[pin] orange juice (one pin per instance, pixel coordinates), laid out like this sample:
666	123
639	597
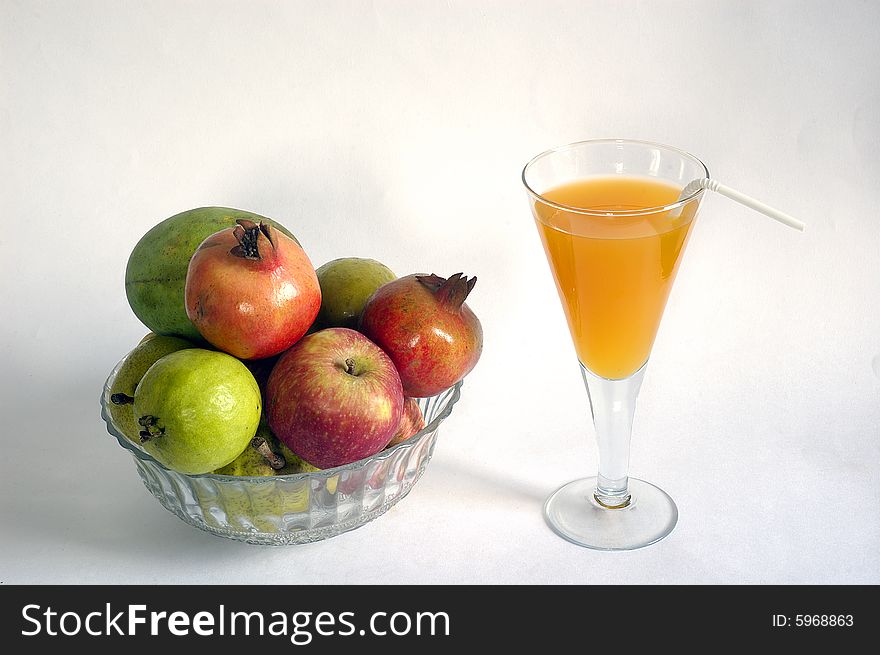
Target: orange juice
614	272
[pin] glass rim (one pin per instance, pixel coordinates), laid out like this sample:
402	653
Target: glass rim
621	212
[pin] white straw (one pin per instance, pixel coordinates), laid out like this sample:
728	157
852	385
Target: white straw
743	199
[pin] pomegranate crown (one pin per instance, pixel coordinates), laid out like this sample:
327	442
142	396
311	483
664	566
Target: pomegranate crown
451	291
249	236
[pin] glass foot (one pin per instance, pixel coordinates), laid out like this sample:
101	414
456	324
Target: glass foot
574	513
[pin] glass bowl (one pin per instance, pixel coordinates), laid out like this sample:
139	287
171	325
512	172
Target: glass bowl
291	509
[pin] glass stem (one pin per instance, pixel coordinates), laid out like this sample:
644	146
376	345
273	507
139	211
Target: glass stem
613	403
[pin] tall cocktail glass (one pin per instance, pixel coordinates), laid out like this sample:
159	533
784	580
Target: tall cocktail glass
614	230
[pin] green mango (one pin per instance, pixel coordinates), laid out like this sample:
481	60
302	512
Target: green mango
156	272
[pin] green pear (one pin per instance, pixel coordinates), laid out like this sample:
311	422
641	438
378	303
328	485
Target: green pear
346	285
151	348
197	409
292	496
295	463
251	462
263	504
259	459
247	505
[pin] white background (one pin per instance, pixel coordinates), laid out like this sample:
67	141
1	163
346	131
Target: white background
397	130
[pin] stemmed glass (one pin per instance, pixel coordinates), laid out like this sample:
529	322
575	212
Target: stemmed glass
614	228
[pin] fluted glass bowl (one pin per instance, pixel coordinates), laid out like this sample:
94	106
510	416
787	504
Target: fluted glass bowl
291	509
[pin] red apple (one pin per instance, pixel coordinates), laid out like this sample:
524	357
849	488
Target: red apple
251	290
424	325
411	422
334	398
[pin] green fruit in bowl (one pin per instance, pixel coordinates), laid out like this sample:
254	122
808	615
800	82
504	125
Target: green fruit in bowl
263	504
197	409
151	349
156	272
251	503
346	285
294	463
259	459
251	462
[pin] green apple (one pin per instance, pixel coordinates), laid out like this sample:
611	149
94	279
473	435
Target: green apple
346	285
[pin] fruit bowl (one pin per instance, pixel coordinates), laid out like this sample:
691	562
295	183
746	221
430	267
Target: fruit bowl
291	509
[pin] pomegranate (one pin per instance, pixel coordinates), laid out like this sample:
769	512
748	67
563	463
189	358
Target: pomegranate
424	325
251	290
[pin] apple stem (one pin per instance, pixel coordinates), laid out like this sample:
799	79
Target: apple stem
349	366
121	399
150	428
275	460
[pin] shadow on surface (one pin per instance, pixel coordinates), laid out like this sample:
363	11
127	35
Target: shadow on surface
492	483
